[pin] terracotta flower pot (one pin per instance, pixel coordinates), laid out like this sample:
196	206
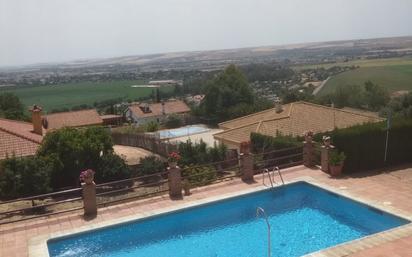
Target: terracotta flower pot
336	170
89	180
172	165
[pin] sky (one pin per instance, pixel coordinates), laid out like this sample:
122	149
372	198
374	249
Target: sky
43	31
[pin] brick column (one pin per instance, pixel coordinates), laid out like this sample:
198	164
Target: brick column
246	162
89	199
175	182
308	154
324	157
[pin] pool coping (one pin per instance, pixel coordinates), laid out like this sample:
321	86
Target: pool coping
196	133
38	244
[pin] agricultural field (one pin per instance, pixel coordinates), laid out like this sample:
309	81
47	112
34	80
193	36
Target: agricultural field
73	94
392	77
361	63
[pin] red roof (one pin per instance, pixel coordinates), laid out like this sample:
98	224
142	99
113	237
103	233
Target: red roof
73	119
170	107
17	138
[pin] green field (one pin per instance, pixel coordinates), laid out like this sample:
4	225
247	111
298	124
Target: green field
361	63
74	94
392	77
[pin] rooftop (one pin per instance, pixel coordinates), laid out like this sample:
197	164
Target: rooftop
16	137
294	119
73	119
155	109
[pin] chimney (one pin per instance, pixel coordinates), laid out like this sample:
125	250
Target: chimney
163	108
278	105
36	119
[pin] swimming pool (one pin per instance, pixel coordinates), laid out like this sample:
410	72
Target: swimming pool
183	131
303	219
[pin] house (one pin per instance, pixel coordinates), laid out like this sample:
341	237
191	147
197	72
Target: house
18	139
196	100
112	119
143	113
291	119
54	121
23	138
169	82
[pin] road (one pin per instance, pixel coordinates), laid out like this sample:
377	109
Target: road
319	88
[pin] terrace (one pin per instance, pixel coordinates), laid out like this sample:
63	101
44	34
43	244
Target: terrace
389	190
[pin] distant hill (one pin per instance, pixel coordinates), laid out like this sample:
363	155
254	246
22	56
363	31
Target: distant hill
216	59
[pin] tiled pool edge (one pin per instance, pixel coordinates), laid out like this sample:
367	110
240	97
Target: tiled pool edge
38	245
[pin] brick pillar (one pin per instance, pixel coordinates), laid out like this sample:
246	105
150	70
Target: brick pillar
89	199
175	182
246	162
246	166
324	157
308	153
36	119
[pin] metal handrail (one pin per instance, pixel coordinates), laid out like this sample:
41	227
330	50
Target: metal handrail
260	210
280	174
266	171
280	150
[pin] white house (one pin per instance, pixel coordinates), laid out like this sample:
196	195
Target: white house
143	113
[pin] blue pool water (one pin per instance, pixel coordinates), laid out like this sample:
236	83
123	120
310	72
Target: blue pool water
303	219
180	132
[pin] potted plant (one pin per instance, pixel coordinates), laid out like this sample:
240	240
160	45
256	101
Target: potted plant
173	158
87	176
336	161
186	186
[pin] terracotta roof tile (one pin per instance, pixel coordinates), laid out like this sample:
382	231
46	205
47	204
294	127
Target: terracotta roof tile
21	129
296	119
73	119
17	138
14	145
156	109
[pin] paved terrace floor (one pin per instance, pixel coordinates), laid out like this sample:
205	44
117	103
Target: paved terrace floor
385	188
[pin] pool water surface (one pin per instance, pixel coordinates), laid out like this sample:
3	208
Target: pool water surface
303	219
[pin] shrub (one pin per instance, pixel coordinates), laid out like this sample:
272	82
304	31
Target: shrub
25	176
151	126
263	143
199	175
111	167
173	121
150	165
200	153
336	158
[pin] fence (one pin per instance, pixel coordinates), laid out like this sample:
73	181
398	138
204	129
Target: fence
282	158
190	177
145	141
71	200
200	175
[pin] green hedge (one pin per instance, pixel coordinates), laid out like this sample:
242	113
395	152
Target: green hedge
262	143
364	145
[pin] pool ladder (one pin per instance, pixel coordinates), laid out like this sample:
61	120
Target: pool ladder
261	212
271	175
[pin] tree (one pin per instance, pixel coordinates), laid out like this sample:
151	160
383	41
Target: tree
74	150
11	107
227	90
158	98
376	96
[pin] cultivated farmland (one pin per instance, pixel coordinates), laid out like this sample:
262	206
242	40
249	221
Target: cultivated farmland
392	77
74	94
